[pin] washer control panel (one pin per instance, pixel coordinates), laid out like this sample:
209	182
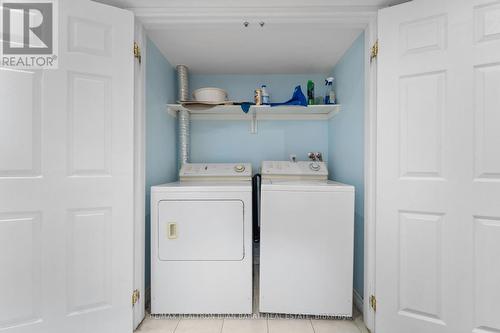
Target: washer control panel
294	170
216	171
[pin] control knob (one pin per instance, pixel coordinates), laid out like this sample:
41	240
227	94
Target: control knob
239	168
314	166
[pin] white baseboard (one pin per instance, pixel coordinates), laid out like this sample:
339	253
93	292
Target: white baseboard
358	300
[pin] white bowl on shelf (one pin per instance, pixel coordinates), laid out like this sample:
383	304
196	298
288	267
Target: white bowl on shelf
210	94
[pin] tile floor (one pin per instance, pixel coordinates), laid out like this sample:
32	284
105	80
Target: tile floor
251	324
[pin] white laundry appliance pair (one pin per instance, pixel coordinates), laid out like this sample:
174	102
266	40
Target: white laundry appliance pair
202	241
306	240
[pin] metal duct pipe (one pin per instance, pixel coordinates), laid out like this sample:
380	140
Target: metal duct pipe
182	83
183	116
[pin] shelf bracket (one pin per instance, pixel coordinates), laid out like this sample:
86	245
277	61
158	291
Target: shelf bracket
253	124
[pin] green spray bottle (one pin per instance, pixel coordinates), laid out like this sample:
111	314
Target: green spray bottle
310	92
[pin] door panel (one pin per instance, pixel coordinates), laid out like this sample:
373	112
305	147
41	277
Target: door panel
487	118
438	166
487	274
420	280
422	99
423	35
20	246
486	17
21	114
89	124
89	36
66	180
89	275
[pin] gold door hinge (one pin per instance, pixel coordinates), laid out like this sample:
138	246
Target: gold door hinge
373	302
374	52
137	52
136	295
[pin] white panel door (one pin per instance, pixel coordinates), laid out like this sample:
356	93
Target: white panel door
66	180
139	174
438	169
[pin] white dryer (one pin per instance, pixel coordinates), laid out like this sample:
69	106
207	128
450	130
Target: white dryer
306	241
201	241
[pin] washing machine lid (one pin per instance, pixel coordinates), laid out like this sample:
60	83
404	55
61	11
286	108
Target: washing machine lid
216	172
301	170
305	185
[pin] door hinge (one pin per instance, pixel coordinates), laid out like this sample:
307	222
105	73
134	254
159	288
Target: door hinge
373	302
374	52
137	52
136	295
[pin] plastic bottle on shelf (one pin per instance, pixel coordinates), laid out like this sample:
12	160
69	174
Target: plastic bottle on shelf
329	92
258	97
265	95
310	92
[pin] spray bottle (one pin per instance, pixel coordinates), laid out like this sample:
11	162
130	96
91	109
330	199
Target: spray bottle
329	92
310	92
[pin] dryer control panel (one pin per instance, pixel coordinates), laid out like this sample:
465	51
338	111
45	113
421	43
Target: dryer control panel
314	170
216	171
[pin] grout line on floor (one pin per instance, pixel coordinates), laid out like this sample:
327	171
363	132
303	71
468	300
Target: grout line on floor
311	322
222	326
178	322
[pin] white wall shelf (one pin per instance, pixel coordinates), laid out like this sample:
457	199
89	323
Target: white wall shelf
234	112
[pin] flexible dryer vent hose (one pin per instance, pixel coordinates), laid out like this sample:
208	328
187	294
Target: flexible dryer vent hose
183	116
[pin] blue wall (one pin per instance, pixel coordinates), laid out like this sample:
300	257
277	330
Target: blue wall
346	141
231	141
161	148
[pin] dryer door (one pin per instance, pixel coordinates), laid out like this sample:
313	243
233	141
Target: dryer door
200	230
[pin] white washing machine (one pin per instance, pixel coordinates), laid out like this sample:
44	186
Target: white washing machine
306	240
201	241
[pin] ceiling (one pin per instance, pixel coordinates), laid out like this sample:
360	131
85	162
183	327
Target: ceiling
297	36
246	3
273	49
